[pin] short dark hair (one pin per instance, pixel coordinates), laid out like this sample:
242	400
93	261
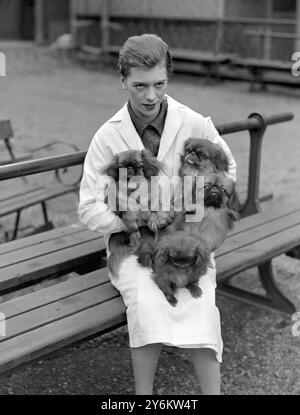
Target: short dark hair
146	50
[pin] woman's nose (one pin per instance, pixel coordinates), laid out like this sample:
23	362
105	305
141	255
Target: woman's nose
150	94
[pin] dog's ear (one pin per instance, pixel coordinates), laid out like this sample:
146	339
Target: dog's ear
112	169
151	165
203	255
219	159
160	256
187	145
234	203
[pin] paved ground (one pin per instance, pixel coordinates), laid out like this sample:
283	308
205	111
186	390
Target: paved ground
46	98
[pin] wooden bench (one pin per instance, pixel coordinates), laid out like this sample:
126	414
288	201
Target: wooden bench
30	195
86	305
258	68
189	60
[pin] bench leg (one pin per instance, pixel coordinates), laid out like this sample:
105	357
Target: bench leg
257	79
294	253
274	299
16	228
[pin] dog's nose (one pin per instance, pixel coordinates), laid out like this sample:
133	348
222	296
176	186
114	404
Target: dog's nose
214	195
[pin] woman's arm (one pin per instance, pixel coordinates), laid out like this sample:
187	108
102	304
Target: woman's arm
92	210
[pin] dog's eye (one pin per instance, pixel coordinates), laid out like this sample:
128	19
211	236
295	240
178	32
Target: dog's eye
202	155
224	191
206	186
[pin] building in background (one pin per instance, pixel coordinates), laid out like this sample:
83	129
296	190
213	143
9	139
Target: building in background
41	20
267	29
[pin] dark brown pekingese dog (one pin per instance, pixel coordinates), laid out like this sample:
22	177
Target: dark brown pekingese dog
179	260
138	164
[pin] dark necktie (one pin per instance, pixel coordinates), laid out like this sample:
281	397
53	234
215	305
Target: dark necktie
151	139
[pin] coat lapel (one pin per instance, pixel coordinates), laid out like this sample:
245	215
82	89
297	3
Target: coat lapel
172	124
127	129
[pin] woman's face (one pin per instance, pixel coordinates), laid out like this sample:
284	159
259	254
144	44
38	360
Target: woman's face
146	89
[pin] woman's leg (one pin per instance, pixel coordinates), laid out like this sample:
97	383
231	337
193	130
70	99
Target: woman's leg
144	361
207	369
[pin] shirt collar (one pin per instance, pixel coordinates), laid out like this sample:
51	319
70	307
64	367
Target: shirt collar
158	123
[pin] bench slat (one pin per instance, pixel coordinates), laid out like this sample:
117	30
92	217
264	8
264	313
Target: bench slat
54	293
39	251
25	192
34	197
257	220
57	310
61	333
257	233
19	244
263	64
257	253
50	264
198	56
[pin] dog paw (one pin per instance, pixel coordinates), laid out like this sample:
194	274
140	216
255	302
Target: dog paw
195	290
153	222
172	300
136	239
145	260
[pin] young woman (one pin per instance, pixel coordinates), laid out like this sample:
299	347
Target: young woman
151	119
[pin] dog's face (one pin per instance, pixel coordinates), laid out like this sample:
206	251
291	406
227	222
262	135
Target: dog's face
219	192
181	252
203	155
136	163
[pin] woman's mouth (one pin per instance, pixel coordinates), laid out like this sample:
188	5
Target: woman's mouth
149	107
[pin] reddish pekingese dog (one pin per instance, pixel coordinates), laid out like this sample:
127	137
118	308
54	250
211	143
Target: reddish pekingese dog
137	164
179	260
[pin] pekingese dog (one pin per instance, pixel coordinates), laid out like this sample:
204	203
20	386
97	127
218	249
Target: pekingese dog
182	254
221	207
179	260
201	156
138	164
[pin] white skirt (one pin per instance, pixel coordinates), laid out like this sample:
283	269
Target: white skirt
192	323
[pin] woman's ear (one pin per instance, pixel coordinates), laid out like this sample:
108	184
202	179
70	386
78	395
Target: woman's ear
124	83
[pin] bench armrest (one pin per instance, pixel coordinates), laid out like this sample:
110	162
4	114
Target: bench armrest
61	175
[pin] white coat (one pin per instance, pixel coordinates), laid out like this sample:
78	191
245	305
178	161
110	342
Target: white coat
151	319
119	134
